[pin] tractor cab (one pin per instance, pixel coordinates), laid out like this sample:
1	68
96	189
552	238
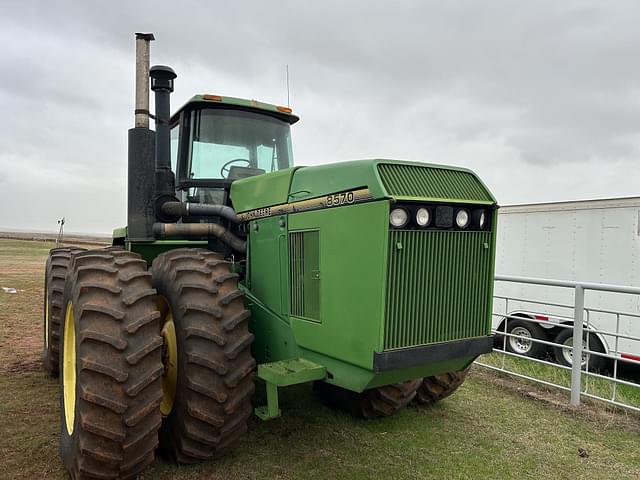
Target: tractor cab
216	140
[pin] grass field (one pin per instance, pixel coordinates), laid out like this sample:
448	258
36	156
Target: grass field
494	427
627	394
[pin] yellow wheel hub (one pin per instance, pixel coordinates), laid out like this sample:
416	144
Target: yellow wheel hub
69	368
170	361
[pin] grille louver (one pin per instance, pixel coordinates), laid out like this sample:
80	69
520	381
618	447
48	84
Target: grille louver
430	182
438	287
305	274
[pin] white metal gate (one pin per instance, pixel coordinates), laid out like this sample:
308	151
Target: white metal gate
581	327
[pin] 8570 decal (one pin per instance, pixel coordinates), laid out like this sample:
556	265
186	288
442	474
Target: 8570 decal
337	199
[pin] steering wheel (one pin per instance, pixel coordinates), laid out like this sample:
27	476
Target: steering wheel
226	168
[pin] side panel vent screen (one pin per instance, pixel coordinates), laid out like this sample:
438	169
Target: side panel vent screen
304	261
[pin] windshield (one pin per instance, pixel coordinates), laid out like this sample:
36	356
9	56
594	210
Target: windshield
234	143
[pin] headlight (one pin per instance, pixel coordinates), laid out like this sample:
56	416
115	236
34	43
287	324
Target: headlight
423	217
398	217
462	218
482	220
479	218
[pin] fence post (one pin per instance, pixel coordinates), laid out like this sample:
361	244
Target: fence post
576	363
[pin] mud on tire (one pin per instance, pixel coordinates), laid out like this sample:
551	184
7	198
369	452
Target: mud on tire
373	403
109	298
54	278
212	400
437	387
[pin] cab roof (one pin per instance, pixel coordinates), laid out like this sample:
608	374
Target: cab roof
219	101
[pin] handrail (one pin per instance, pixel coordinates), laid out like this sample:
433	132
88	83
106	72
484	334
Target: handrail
570	284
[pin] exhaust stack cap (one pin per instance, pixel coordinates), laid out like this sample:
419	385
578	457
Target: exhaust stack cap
162	78
145	36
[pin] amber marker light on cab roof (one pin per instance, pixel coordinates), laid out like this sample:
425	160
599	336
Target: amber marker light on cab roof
284	109
215	98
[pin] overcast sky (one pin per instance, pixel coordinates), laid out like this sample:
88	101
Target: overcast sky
541	99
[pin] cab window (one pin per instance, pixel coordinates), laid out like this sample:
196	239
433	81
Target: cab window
225	143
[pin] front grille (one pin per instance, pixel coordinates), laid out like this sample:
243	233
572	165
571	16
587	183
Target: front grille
438	287
432	182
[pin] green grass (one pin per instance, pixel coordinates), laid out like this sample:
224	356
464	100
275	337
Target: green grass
24	249
488	429
483	431
601	387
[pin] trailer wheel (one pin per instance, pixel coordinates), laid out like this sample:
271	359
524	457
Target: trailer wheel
522	344
564	355
208	380
437	387
54	277
110	366
373	403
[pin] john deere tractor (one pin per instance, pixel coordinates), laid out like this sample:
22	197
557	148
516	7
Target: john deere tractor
372	279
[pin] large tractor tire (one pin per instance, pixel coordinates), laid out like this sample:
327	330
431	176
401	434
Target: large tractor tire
373	403
110	366
208	381
54	277
437	387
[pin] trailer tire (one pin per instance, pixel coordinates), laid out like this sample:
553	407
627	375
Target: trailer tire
208	381
563	356
54	278
372	403
110	367
435	388
523	347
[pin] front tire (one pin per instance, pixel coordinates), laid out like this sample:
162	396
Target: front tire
209	377
435	388
110	367
372	403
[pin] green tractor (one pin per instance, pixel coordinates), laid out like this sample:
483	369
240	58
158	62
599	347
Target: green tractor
373	279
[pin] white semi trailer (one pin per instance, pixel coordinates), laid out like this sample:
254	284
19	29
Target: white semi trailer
587	241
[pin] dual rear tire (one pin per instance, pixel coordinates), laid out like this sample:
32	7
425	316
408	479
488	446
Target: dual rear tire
114	361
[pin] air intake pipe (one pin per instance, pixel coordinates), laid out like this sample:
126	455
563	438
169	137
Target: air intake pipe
178	209
162	85
199	230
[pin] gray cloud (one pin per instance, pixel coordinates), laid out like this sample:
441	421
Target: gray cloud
540	98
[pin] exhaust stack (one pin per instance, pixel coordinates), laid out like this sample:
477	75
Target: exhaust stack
141	153
143	55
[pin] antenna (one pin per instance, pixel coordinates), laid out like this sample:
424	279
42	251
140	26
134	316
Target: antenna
287	70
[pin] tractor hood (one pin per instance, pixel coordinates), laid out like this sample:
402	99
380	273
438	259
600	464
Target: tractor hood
304	188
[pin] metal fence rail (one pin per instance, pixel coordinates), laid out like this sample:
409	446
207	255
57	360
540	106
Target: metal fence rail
580	320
